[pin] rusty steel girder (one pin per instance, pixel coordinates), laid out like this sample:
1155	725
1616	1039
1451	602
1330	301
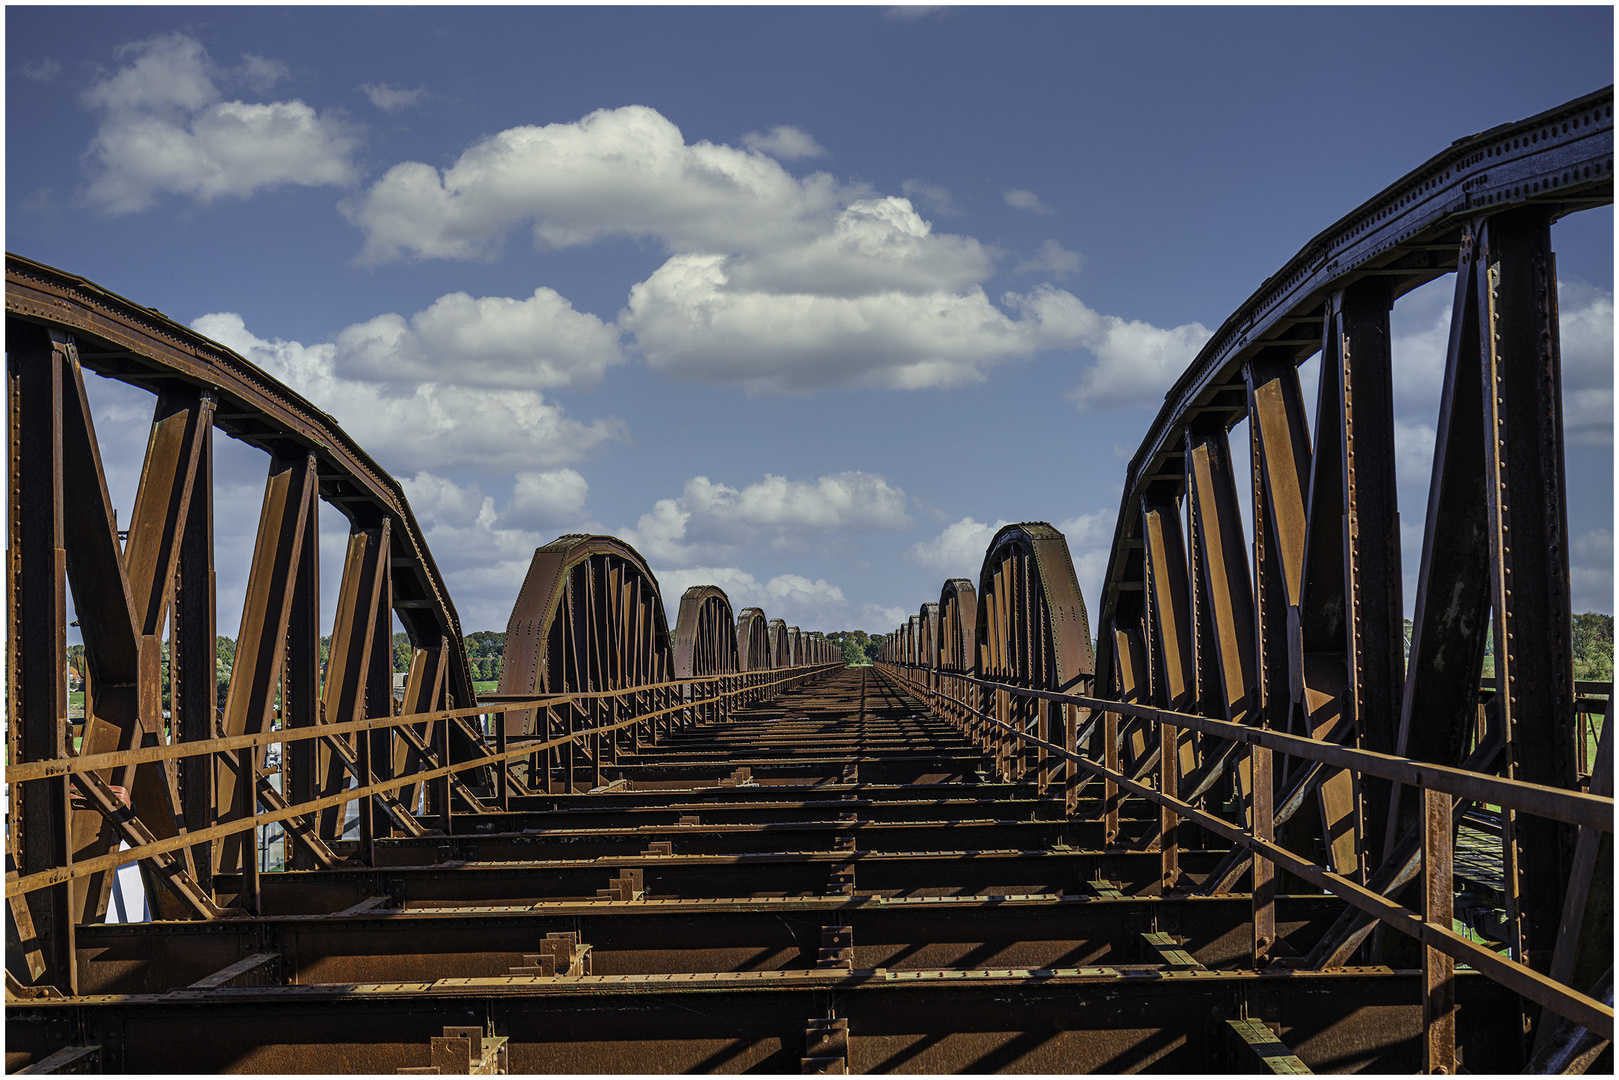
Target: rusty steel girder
753	640
778	647
705	633
588	617
1256	687
135	595
190	787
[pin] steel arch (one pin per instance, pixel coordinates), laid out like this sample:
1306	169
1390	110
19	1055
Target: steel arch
753	640
1209	663
59	326
958	616
588	617
705	633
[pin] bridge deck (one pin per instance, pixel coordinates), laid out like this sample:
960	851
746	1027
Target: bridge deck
720	920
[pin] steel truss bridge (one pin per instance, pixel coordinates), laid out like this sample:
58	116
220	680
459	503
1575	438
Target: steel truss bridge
1237	830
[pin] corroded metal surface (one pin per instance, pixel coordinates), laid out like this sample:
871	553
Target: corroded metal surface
1253	682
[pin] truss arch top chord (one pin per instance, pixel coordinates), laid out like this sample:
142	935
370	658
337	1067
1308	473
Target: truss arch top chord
119	339
589	617
1031	624
752	640
958	616
705	634
1559	161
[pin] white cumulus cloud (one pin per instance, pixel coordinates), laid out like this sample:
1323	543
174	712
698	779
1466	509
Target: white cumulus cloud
847	500
548	499
872	247
537	343
1586	339
624	171
777	283
1136	363
958	551
432	424
690	324
785	143
437	500
711	521
165	130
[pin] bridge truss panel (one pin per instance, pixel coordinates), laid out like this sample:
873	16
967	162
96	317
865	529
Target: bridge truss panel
145	602
753	640
705	633
1257	684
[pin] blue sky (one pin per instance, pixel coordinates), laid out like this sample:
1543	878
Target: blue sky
799	301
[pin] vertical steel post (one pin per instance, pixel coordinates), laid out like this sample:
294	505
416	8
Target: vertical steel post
379	698
247	806
194	653
1168	822
261	643
1110	748
503	793
441	786
301	707
36	640
1440	719
1438	908
1358	343
1529	548
1264	871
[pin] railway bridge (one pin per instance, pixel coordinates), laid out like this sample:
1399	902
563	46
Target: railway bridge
1214	819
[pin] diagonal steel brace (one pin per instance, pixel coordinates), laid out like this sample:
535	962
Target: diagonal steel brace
457	785
301	829
1352	927
169	869
389	801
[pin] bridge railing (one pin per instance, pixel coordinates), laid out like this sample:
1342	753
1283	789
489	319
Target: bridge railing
1250	610
1445	794
642	713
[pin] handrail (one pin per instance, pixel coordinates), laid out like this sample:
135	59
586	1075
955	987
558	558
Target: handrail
112	759
1572	807
1594	1015
17	886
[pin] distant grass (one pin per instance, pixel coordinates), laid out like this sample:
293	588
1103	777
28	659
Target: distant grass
487	686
